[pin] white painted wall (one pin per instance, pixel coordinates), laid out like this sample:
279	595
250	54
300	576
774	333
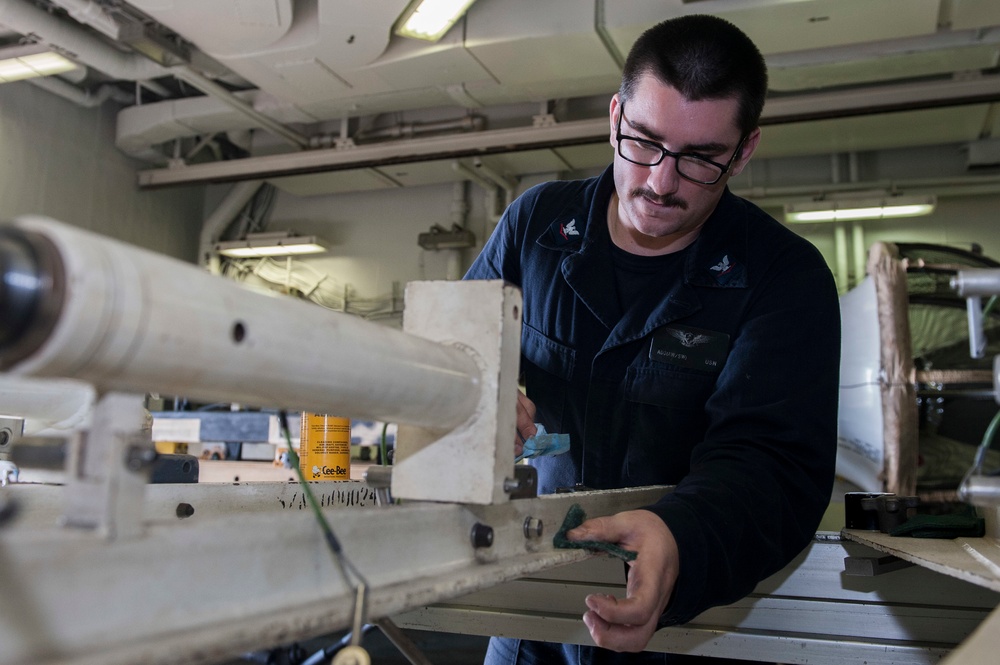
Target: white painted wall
58	159
375	233
959	222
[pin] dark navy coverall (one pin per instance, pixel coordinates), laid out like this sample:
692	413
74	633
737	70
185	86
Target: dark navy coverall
723	383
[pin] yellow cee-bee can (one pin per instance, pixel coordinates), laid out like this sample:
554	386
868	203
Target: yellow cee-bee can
325	447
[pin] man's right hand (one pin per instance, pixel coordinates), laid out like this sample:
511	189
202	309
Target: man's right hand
525	422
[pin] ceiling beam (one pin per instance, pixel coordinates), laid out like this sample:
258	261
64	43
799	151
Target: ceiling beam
779	110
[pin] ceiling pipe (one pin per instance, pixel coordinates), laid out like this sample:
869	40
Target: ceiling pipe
84	98
497	178
903	46
495	206
971	185
223	215
23	17
601	27
90	13
410	129
459	218
470	174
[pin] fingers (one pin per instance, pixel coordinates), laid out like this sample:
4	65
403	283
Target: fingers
618	637
627	624
525	422
627	529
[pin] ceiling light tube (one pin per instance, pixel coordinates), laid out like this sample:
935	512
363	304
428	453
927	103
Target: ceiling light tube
271	244
841	210
34	65
430	19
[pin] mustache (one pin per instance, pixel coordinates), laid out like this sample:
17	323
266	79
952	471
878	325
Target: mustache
660	199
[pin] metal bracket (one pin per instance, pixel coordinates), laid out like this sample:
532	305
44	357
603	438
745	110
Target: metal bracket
107	468
471	463
870	566
524	484
11	430
544	120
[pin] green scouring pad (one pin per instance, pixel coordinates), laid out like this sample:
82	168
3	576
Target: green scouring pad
574	518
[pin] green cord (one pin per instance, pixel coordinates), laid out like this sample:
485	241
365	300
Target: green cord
990	304
343	563
383	447
991	431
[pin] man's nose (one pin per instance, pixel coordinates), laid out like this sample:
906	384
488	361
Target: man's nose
664	178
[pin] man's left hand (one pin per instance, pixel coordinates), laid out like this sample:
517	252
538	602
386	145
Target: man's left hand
628	624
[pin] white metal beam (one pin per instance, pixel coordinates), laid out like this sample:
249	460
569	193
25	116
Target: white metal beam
778	110
203	591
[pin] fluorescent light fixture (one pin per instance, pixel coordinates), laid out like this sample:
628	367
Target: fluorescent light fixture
33	65
430	19
845	210
257	245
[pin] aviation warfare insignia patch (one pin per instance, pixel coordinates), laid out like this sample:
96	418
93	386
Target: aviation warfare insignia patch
695	348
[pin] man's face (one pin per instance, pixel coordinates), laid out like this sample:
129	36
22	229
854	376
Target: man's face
659	210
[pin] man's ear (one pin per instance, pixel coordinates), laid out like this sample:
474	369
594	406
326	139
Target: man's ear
749	146
613	117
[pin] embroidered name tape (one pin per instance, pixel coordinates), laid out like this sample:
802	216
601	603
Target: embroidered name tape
695	348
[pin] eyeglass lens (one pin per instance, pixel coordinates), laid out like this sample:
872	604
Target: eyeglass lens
648	154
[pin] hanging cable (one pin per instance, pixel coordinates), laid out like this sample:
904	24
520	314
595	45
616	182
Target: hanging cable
344	565
312	285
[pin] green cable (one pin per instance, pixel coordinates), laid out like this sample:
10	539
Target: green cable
990	304
988	436
343	563
383	447
991	429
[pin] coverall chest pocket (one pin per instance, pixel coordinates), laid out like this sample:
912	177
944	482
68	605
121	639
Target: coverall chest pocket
548	371
666	419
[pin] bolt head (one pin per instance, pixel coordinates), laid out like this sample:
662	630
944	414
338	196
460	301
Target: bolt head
482	535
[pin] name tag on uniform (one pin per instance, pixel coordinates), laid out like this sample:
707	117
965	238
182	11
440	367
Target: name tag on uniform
705	350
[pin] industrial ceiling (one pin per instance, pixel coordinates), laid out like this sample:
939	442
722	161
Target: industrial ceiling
320	96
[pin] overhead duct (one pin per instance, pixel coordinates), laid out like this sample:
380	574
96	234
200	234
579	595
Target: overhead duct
141	127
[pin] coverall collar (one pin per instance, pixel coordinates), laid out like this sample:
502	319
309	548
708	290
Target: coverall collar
716	259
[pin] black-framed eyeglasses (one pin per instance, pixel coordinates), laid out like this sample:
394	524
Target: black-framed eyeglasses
689	166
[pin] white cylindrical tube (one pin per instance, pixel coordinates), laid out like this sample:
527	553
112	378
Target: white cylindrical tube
128	319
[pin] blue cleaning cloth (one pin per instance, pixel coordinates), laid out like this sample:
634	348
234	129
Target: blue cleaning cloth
544	443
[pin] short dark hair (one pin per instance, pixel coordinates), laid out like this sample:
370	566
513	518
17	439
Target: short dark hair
702	57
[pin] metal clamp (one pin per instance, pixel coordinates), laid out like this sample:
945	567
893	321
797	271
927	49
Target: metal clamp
892	510
524	484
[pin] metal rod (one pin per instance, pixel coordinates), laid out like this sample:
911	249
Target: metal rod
977	282
977	336
980	490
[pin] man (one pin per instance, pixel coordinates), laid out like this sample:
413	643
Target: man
679	335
